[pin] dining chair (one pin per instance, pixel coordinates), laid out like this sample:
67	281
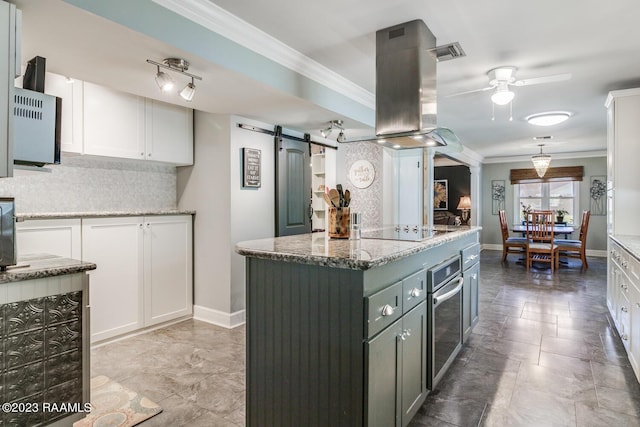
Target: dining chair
576	248
510	245
541	246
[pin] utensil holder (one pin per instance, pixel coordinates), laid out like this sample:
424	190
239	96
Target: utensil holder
339	223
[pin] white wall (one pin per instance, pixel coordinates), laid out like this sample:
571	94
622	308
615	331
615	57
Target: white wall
93	184
226	213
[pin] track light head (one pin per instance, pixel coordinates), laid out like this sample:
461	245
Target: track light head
188	92
341	137
326	132
164	81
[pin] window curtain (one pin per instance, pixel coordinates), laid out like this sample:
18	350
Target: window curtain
565	173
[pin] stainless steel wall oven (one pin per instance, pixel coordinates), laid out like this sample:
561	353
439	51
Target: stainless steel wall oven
444	318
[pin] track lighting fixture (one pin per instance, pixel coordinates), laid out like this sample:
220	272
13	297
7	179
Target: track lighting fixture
334	124
165	81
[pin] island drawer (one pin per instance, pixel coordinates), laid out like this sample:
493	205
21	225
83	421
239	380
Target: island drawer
414	290
383	308
470	256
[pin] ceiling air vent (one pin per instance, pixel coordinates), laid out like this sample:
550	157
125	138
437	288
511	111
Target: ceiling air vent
449	51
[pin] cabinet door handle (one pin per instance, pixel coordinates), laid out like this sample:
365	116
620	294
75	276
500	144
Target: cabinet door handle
387	310
415	292
624	309
475	276
625	337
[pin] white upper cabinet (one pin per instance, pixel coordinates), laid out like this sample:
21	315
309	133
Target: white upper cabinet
70	91
114	123
623	152
169	133
118	124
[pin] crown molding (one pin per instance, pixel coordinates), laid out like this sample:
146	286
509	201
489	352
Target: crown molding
558	156
220	21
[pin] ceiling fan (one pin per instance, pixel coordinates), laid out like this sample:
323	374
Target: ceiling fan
501	78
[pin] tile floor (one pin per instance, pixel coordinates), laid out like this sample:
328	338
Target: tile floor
543	354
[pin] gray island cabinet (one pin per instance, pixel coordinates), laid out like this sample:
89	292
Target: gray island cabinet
338	330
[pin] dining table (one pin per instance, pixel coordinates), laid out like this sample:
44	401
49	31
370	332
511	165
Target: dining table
558	229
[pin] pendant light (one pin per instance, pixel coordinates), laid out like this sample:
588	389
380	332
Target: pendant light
541	162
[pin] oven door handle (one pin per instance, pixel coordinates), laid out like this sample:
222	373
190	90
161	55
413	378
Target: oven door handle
442	298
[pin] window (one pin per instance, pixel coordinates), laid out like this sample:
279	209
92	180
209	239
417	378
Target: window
548	196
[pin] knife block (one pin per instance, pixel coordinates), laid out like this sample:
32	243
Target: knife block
339	223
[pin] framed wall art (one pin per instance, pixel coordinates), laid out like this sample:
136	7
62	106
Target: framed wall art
251	167
598	195
497	196
440	194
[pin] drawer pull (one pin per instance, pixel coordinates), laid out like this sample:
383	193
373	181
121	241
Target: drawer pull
624	309
472	257
415	292
387	310
625	337
475	276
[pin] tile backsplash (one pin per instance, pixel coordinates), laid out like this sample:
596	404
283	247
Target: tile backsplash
93	184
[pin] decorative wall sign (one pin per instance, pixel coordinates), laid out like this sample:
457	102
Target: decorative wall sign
497	196
598	195
440	194
362	173
251	167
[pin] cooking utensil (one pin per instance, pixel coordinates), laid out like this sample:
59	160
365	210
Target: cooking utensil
326	198
335	197
341	194
347	198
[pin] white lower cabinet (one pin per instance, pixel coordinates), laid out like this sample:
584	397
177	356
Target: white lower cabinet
50	236
167	268
144	273
115	245
623	300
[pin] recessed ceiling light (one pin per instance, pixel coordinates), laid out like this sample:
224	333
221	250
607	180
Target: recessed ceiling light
549	118
396	146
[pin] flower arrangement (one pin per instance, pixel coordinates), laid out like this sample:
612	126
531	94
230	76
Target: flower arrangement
525	210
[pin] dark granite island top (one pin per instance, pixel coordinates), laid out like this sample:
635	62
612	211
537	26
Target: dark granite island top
38	266
363	254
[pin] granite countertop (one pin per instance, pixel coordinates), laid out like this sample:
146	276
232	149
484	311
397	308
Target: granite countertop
363	254
38	266
630	243
98	214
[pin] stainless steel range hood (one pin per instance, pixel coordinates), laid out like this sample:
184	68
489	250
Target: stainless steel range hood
406	97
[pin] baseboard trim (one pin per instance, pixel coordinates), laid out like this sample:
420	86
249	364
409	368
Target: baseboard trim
219	318
590	252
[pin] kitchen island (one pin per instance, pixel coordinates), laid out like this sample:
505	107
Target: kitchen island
340	332
44	329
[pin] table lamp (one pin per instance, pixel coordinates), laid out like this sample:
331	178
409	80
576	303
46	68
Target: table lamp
465	206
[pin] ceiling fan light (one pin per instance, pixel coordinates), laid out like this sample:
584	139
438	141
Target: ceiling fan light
502	97
548	119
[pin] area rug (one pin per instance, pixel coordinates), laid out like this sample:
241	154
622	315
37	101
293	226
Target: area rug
113	405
